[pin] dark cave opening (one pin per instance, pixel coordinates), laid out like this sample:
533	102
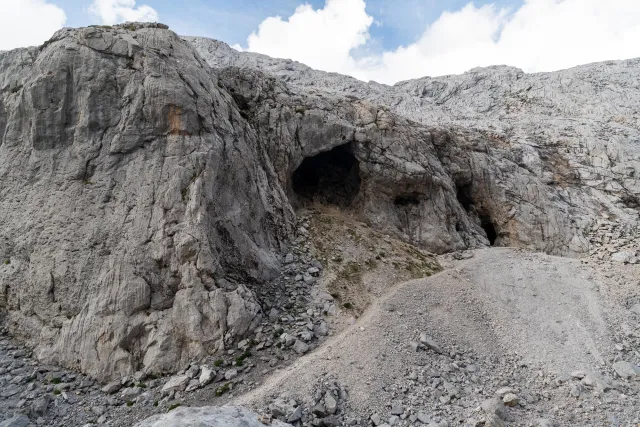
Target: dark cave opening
407	199
489	228
331	177
464	195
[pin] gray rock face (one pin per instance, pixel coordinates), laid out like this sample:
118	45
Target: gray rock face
208	416
147	182
130	183
539	156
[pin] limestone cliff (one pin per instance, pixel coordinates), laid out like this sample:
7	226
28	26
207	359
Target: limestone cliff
148	182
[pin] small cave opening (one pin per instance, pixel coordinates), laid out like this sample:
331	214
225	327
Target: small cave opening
407	199
489	228
331	177
465	197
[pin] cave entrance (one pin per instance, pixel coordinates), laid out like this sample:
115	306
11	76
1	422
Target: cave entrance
489	229
331	177
464	194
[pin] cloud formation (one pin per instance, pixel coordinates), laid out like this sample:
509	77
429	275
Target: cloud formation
542	35
113	12
28	22
322	39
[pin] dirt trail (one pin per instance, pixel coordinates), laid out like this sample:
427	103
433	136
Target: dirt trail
524	320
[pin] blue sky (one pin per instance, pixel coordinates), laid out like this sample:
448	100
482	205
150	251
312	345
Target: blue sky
397	22
382	40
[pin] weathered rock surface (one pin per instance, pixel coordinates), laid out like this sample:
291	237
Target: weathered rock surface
130	184
208	416
147	182
538	156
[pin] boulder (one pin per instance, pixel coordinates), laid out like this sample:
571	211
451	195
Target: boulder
208	416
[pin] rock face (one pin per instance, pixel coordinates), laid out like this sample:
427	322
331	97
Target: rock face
148	182
208	416
539	157
130	184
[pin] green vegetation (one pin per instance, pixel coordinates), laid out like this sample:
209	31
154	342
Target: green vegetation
222	390
173	406
348	305
55	380
7	261
56	392
218	363
240	359
130	403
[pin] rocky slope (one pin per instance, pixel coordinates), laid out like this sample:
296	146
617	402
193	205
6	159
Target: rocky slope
149	189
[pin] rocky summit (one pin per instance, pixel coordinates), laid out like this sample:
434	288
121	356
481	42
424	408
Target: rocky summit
185	228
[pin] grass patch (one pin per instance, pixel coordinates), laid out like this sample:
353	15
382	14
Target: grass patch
347	305
172	407
130	402
7	262
55	380
218	363
240	359
222	390
56	392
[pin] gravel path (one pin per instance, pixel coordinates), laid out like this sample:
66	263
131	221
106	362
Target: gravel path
504	318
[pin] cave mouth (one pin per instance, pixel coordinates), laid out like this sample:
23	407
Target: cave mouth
489	229
464	195
331	177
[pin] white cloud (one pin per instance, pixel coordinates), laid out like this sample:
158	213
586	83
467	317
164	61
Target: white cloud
28	22
116	11
320	38
542	35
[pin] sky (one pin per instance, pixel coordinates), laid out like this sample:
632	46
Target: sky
382	40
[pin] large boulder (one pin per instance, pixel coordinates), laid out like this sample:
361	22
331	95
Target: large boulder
208	416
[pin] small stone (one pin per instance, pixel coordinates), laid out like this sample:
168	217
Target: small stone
430	343
397	410
510	399
375	419
176	383
589	381
622	257
330	421
578	374
424	418
296	415
504	391
575	390
230	374
319	410
626	370
494	406
206	376
330	403
300	347
193	385
112	387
